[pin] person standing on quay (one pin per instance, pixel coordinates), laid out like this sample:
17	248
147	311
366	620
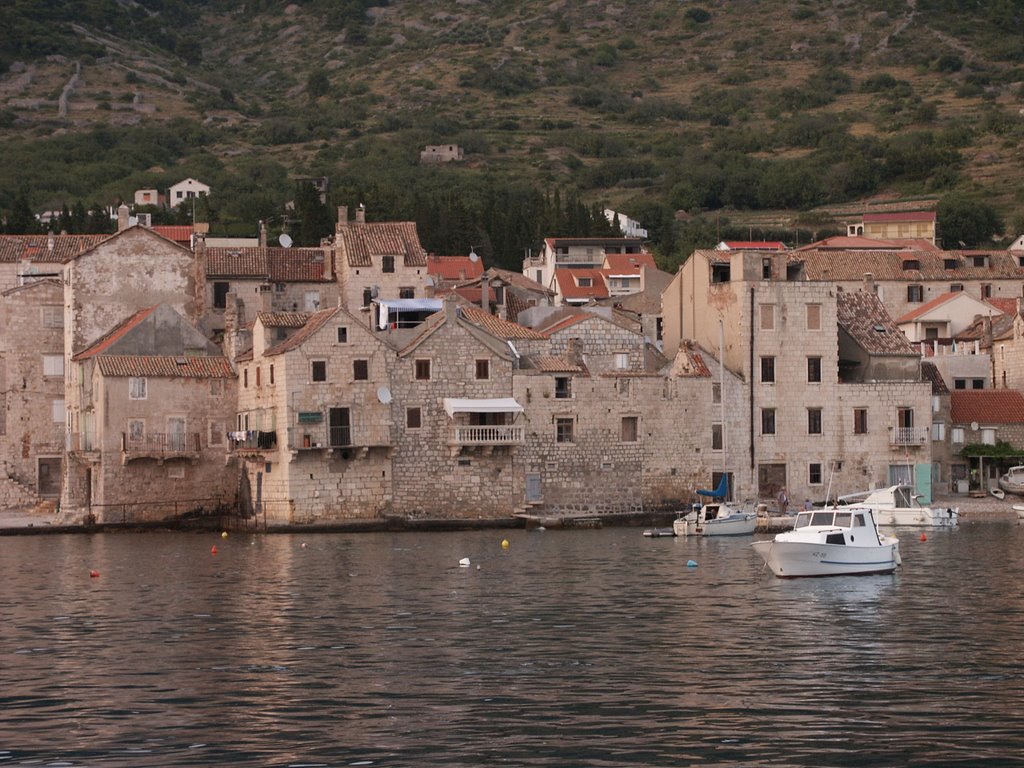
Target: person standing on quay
783	501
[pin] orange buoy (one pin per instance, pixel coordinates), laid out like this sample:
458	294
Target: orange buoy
923	537
94	574
213	550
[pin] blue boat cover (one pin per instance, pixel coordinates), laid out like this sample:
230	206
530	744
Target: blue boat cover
720	492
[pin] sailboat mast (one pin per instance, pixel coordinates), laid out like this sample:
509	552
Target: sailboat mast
721	400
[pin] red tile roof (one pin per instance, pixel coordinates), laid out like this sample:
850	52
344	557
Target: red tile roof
277	265
873	218
987	406
361	242
1008	306
116	333
15	248
316	321
160	366
553	364
628	263
858	243
755	245
570	289
179	233
863	316
927	307
689	362
455	267
887	264
283	319
930	373
502	329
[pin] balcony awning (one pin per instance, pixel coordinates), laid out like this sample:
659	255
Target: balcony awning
453	405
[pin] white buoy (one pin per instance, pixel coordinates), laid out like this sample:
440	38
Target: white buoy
464	562
691	563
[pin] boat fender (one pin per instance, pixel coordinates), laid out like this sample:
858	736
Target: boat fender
691	563
898	557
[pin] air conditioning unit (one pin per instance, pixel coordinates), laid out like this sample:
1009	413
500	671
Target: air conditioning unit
145	219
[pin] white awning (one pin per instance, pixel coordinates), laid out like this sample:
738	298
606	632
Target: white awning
453	405
389	307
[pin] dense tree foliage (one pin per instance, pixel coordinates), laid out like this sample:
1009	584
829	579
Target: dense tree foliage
967	221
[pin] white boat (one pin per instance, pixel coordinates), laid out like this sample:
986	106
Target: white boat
717	518
1019	509
900	505
841	541
1013	480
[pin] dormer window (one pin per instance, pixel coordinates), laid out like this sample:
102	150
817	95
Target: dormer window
909	264
979	261
585	282
951	263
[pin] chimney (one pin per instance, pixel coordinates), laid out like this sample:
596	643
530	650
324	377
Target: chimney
49	241
328	262
263	234
450	307
342	218
122	217
869	282
361	214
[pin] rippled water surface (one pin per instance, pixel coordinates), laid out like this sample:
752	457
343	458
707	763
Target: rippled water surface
582	648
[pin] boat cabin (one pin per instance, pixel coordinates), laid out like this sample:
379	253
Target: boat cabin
839	520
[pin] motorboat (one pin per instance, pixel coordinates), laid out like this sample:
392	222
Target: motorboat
716	517
900	505
1019	509
1013	480
839	541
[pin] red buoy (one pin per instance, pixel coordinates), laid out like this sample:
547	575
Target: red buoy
923	537
94	574
213	550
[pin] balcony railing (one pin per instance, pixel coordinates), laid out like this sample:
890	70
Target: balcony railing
252	440
315	437
160	446
495	434
82	442
908	436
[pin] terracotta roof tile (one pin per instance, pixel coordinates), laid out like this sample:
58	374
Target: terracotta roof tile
553	364
689	362
824	265
863	316
628	263
861	243
14	248
1007	306
277	265
568	284
755	245
930	373
179	233
987	406
502	329
161	366
927	307
361	242
519	280
316	321
117	332
283	319
454	267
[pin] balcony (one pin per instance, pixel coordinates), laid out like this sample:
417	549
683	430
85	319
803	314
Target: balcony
85	445
908	437
487	436
345	441
160	446
252	442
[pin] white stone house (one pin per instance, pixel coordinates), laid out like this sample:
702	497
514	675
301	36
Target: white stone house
944	316
575	253
185	190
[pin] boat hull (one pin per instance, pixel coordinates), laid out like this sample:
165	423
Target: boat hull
921	516
1009	486
792	559
734	525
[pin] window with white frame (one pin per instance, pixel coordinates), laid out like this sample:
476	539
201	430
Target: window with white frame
58	411
621	360
53	366
53	316
988	436
957	435
137	388
767	317
938	432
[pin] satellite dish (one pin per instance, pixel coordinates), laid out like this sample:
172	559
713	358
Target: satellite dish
285	240
472	255
974	426
384	395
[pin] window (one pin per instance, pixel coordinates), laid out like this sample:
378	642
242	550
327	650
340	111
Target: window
413	418
915	293
257	376
215	433
422	370
483	369
766	269
339	428
716	392
959	383
768	370
360	370
767	421
387	264
988	436
622	360
563	387
814	317
978	261
245	378
938	432
343	335
136	429
629	429
720	273
53	317
986	291
217	385
814	370
905	418
767	317
367	297
311	301
271	373
53	366
57	411
814	421
860	421
977	383
407	293
278	287
956	287
220	295
318	370
563	430
951	264
911	264
584	282
957	435
659	328
136	388
814	474
716	437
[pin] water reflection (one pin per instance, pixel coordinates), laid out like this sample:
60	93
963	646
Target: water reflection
583	648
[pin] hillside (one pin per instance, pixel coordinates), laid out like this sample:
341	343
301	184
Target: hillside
770	114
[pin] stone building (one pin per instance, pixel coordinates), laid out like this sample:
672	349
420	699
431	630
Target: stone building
833	389
24	258
983	418
576	253
377	260
32	412
441	153
313	427
264	279
149	403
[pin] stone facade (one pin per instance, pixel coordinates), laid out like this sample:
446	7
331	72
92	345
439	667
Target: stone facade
32	412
